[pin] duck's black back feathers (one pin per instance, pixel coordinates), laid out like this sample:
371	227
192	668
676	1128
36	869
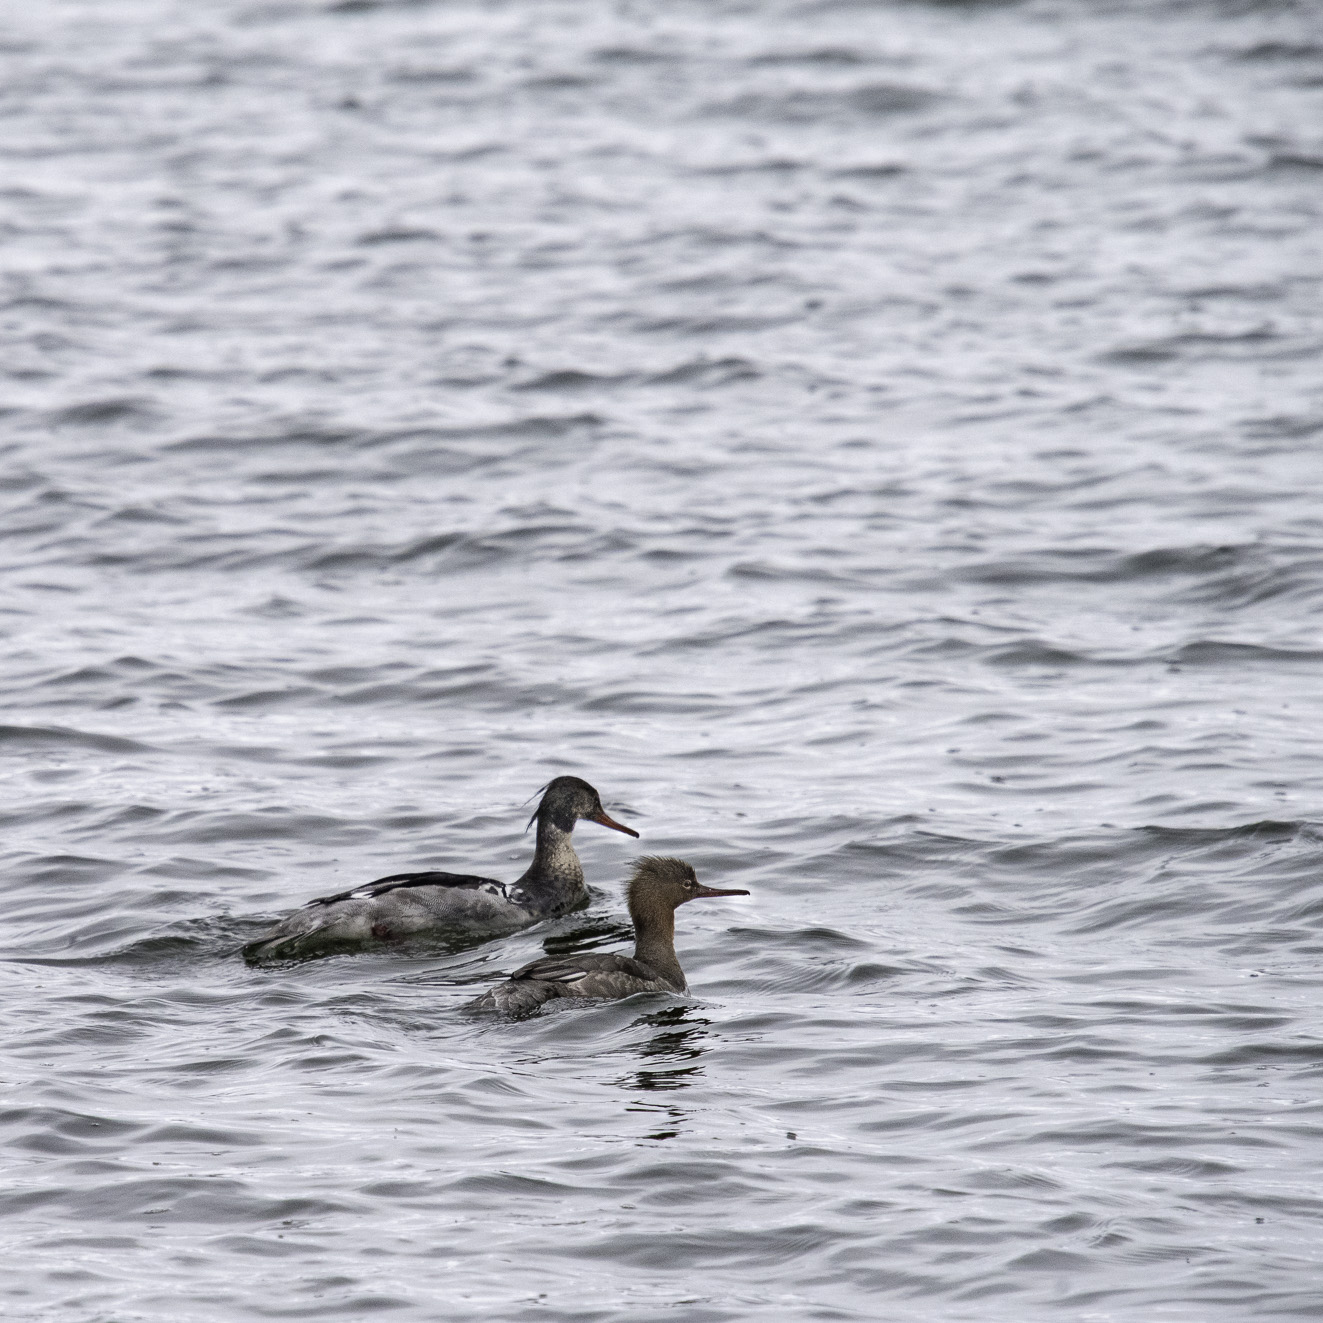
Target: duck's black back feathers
371	890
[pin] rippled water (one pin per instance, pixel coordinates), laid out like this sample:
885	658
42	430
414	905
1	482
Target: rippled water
875	444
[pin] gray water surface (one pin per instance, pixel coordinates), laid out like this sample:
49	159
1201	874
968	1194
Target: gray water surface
875	444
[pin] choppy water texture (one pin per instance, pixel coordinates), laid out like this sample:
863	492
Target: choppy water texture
875	444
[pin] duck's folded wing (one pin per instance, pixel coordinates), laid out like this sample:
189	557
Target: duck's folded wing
571	968
397	881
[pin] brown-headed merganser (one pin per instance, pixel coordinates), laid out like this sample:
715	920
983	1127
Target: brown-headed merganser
656	889
413	904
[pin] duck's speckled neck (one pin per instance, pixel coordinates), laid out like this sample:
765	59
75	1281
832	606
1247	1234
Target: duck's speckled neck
554	880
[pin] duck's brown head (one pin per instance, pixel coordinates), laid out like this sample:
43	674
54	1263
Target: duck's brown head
660	882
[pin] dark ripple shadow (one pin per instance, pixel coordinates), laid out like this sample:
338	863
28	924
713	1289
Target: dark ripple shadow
1281	52
1260	344
828	56
214	1200
812	105
1101	565
1215	652
61	737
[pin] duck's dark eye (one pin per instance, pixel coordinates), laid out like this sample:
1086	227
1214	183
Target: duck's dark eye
690	883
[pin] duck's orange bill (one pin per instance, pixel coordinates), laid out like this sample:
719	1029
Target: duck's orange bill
714	891
613	824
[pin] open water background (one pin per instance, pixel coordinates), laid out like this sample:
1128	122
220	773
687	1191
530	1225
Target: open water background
875	444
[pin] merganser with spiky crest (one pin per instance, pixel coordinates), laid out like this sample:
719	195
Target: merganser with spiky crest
657	888
415	904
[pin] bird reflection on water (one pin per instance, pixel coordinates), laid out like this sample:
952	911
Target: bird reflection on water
680	1041
678	1116
588	935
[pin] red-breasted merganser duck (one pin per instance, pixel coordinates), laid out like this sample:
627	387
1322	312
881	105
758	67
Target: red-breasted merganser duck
656	889
411	904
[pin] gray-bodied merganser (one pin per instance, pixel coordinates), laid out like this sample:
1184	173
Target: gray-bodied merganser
656	889
411	904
